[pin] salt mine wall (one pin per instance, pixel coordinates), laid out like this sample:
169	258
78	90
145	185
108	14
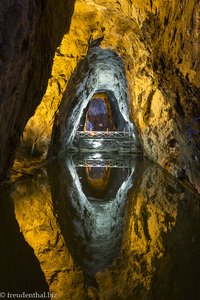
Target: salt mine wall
158	43
102	70
30	31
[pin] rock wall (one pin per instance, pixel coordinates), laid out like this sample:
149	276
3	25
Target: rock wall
30	31
159	44
102	70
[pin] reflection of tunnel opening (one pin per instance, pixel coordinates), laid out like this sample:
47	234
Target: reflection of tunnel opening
92	229
98	178
101	183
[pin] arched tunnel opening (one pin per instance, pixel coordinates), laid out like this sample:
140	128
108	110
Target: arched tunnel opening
102	114
99	116
94	113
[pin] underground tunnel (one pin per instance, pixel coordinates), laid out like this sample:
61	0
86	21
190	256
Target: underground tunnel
100	149
99	100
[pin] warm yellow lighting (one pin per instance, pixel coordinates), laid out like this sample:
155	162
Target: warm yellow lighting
101	183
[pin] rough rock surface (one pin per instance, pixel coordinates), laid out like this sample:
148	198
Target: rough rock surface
159	44
102	70
30	31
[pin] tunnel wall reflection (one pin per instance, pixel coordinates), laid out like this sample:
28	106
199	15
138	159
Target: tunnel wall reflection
94	220
147	226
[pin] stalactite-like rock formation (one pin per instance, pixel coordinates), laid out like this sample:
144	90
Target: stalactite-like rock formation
158	42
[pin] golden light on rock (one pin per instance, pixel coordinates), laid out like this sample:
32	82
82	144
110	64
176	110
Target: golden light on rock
37	221
148	57
100	183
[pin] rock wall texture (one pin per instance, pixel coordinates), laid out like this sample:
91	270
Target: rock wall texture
159	45
30	31
101	70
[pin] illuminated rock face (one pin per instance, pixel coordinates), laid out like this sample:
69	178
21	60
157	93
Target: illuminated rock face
161	217
158	42
102	70
35	214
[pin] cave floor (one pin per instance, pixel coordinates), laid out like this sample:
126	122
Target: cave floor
97	227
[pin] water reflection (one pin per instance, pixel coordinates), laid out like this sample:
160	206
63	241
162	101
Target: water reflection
90	199
122	226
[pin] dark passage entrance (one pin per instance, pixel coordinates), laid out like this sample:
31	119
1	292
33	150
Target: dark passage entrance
99	115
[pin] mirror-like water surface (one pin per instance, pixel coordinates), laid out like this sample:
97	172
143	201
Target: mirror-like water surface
93	227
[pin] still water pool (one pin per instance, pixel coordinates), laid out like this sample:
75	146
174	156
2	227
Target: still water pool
93	227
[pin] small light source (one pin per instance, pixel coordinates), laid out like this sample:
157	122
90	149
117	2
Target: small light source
97	155
97	144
